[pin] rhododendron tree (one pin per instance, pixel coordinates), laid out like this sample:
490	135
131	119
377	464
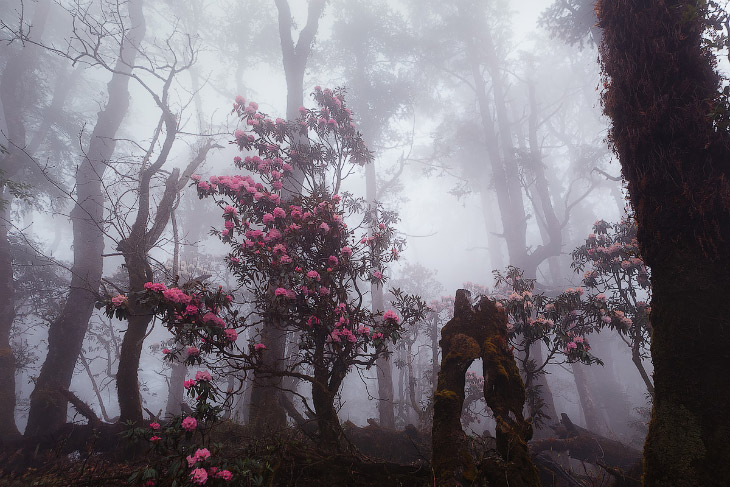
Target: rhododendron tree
620	289
558	322
300	262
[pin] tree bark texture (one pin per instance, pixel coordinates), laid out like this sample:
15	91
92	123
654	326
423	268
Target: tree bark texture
473	333
670	132
66	334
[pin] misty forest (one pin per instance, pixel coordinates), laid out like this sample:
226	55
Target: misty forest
364	243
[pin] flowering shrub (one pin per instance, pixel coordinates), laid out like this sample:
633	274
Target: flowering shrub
620	290
293	252
177	445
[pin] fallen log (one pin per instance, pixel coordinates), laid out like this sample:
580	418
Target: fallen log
587	446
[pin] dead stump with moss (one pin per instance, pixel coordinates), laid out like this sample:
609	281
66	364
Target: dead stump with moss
480	332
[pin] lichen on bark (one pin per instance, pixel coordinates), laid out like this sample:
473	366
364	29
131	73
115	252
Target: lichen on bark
480	332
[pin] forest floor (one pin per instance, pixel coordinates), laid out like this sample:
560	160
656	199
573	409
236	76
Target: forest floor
383	458
288	460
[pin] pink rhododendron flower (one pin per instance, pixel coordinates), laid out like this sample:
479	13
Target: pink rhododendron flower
313	275
268	218
325	228
155	426
203	375
202	454
189	383
280	291
346	251
333	260
231	334
119	300
279	212
176	296
199	476
155	286
211	317
377	275
193	351
240	100
390	315
259	346
324	291
189	423
225	475
166	351
155	439
191	310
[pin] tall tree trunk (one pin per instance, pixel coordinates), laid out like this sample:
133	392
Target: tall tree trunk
386	412
66	334
8	428
670	132
12	88
594	420
175	390
266	410
266	415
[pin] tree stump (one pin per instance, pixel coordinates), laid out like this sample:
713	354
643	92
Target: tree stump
480	332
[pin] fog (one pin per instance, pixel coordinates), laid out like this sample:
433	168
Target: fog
487	139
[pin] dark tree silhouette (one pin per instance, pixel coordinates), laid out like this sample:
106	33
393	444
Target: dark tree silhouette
671	135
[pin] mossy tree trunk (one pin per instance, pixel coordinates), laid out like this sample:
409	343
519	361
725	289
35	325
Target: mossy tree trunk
670	132
480	332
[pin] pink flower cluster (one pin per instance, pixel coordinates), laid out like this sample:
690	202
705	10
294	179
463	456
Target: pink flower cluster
189	423
176	296
203	375
119	300
199	455
155	286
390	315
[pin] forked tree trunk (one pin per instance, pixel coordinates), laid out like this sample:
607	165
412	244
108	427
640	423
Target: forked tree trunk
670	132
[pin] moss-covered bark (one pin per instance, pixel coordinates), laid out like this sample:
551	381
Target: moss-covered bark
670	132
473	333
